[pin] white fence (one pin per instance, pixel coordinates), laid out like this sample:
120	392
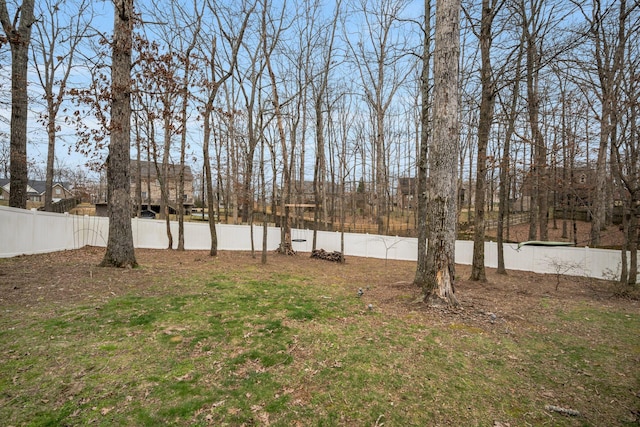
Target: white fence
31	232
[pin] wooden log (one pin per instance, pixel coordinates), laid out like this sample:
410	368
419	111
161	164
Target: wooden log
334	256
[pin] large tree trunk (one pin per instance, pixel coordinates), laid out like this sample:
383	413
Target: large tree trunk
19	38
120	251
442	206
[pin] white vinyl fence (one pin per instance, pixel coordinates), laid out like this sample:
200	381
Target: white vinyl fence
31	232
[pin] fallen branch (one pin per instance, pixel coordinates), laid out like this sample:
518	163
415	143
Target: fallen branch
564	411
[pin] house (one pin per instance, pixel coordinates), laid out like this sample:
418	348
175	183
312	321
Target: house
36	190
576	186
150	189
406	192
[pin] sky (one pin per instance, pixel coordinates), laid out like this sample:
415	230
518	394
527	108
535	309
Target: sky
37	139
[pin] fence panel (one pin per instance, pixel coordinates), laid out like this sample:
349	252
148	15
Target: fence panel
31	232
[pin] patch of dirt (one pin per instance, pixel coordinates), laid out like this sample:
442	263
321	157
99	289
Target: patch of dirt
73	277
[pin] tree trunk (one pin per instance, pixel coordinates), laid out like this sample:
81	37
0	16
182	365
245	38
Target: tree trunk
213	250
539	147
624	263
138	173
422	188
598	213
19	38
503	211
609	49
265	234
51	147
442	206
120	251
285	220
633	243
487	103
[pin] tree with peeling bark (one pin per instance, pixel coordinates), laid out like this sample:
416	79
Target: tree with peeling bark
120	251
18	33
438	288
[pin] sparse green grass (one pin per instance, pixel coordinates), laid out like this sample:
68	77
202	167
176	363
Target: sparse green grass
286	349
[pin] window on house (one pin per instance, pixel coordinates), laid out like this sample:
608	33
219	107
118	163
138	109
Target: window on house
184	197
583	179
58	191
144	194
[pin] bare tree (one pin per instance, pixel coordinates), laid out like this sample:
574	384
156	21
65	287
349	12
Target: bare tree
250	83
214	78
158	78
18	32
533	24
510	113
120	251
59	32
320	84
377	54
438	287
187	77
626	152
490	8
275	31
608	31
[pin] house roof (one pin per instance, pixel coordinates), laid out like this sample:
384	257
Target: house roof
149	169
35	186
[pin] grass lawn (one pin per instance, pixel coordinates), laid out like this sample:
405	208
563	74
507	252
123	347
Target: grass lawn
190	340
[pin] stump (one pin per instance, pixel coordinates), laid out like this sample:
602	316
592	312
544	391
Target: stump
334	256
285	249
